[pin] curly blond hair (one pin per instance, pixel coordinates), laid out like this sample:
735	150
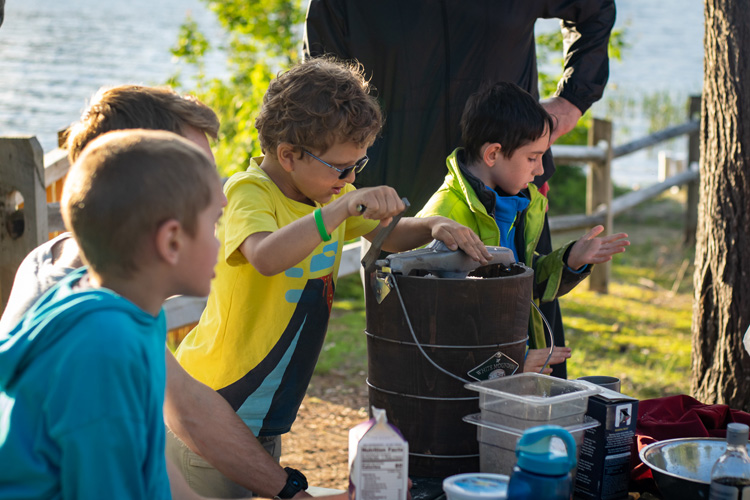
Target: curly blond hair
316	104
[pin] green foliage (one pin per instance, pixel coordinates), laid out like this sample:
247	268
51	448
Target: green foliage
567	194
549	52
662	110
549	49
345	348
191	45
262	38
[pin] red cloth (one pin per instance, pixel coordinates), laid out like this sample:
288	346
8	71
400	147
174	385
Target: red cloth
677	417
544	190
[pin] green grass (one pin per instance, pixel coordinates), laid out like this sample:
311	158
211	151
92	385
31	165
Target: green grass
345	348
640	331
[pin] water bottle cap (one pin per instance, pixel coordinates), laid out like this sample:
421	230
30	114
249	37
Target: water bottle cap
534	453
737	433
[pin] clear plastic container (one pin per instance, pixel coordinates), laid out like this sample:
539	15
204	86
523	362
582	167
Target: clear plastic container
497	443
530	399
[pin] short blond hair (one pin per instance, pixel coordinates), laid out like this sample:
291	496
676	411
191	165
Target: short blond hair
316	104
125	185
136	106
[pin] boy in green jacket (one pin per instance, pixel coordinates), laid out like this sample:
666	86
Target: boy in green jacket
489	188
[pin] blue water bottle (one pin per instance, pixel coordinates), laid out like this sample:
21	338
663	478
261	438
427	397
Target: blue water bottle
541	472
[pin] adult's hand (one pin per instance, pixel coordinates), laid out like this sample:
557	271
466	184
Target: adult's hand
565	115
203	419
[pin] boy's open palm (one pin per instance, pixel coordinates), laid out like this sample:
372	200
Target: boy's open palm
536	358
590	249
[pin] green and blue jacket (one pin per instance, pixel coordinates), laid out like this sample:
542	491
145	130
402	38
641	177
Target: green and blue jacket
465	199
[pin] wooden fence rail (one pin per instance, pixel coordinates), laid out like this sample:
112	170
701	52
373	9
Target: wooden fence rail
35	179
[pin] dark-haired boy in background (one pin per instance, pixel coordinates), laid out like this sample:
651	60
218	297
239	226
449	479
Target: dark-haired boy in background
490	188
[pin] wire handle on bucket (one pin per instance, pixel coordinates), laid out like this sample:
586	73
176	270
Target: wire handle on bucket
414	336
394	282
551	337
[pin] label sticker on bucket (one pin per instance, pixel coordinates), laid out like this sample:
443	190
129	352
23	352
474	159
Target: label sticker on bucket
499	365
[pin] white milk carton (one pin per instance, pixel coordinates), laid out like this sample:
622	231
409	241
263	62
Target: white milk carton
378	460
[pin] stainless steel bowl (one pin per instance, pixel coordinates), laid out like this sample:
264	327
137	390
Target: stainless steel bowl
682	467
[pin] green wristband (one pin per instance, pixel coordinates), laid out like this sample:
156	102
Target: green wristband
318	216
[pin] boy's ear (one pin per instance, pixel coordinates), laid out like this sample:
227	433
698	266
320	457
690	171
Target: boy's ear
169	241
286	154
492	153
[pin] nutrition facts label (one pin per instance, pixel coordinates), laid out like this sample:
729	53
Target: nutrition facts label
382	472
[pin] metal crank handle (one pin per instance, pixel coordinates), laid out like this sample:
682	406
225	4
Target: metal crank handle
361	208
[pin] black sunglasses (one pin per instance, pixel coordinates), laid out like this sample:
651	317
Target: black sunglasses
343	172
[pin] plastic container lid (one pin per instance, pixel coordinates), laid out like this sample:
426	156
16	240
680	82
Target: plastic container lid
476	419
515	387
476	486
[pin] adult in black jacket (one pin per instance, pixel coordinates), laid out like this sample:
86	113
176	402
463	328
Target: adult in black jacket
425	57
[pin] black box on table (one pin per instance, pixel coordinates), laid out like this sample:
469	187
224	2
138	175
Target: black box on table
604	462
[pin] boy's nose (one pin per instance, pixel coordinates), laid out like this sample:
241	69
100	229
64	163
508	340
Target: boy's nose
350	176
539	170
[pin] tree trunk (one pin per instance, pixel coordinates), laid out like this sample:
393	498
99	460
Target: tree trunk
721	311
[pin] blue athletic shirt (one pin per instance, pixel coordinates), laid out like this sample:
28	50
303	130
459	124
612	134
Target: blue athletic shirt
82	381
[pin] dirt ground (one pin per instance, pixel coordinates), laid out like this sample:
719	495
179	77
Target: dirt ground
318	442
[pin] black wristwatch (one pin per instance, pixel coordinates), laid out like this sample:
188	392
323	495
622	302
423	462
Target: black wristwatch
295	482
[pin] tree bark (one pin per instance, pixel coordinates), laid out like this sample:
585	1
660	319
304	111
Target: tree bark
721	311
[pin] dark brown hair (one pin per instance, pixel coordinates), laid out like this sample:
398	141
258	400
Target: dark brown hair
502	113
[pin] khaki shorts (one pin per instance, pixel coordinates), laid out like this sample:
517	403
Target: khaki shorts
202	477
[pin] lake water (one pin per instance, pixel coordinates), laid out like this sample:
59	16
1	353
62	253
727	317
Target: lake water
55	54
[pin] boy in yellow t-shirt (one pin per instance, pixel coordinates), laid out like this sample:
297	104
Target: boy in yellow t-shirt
287	219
